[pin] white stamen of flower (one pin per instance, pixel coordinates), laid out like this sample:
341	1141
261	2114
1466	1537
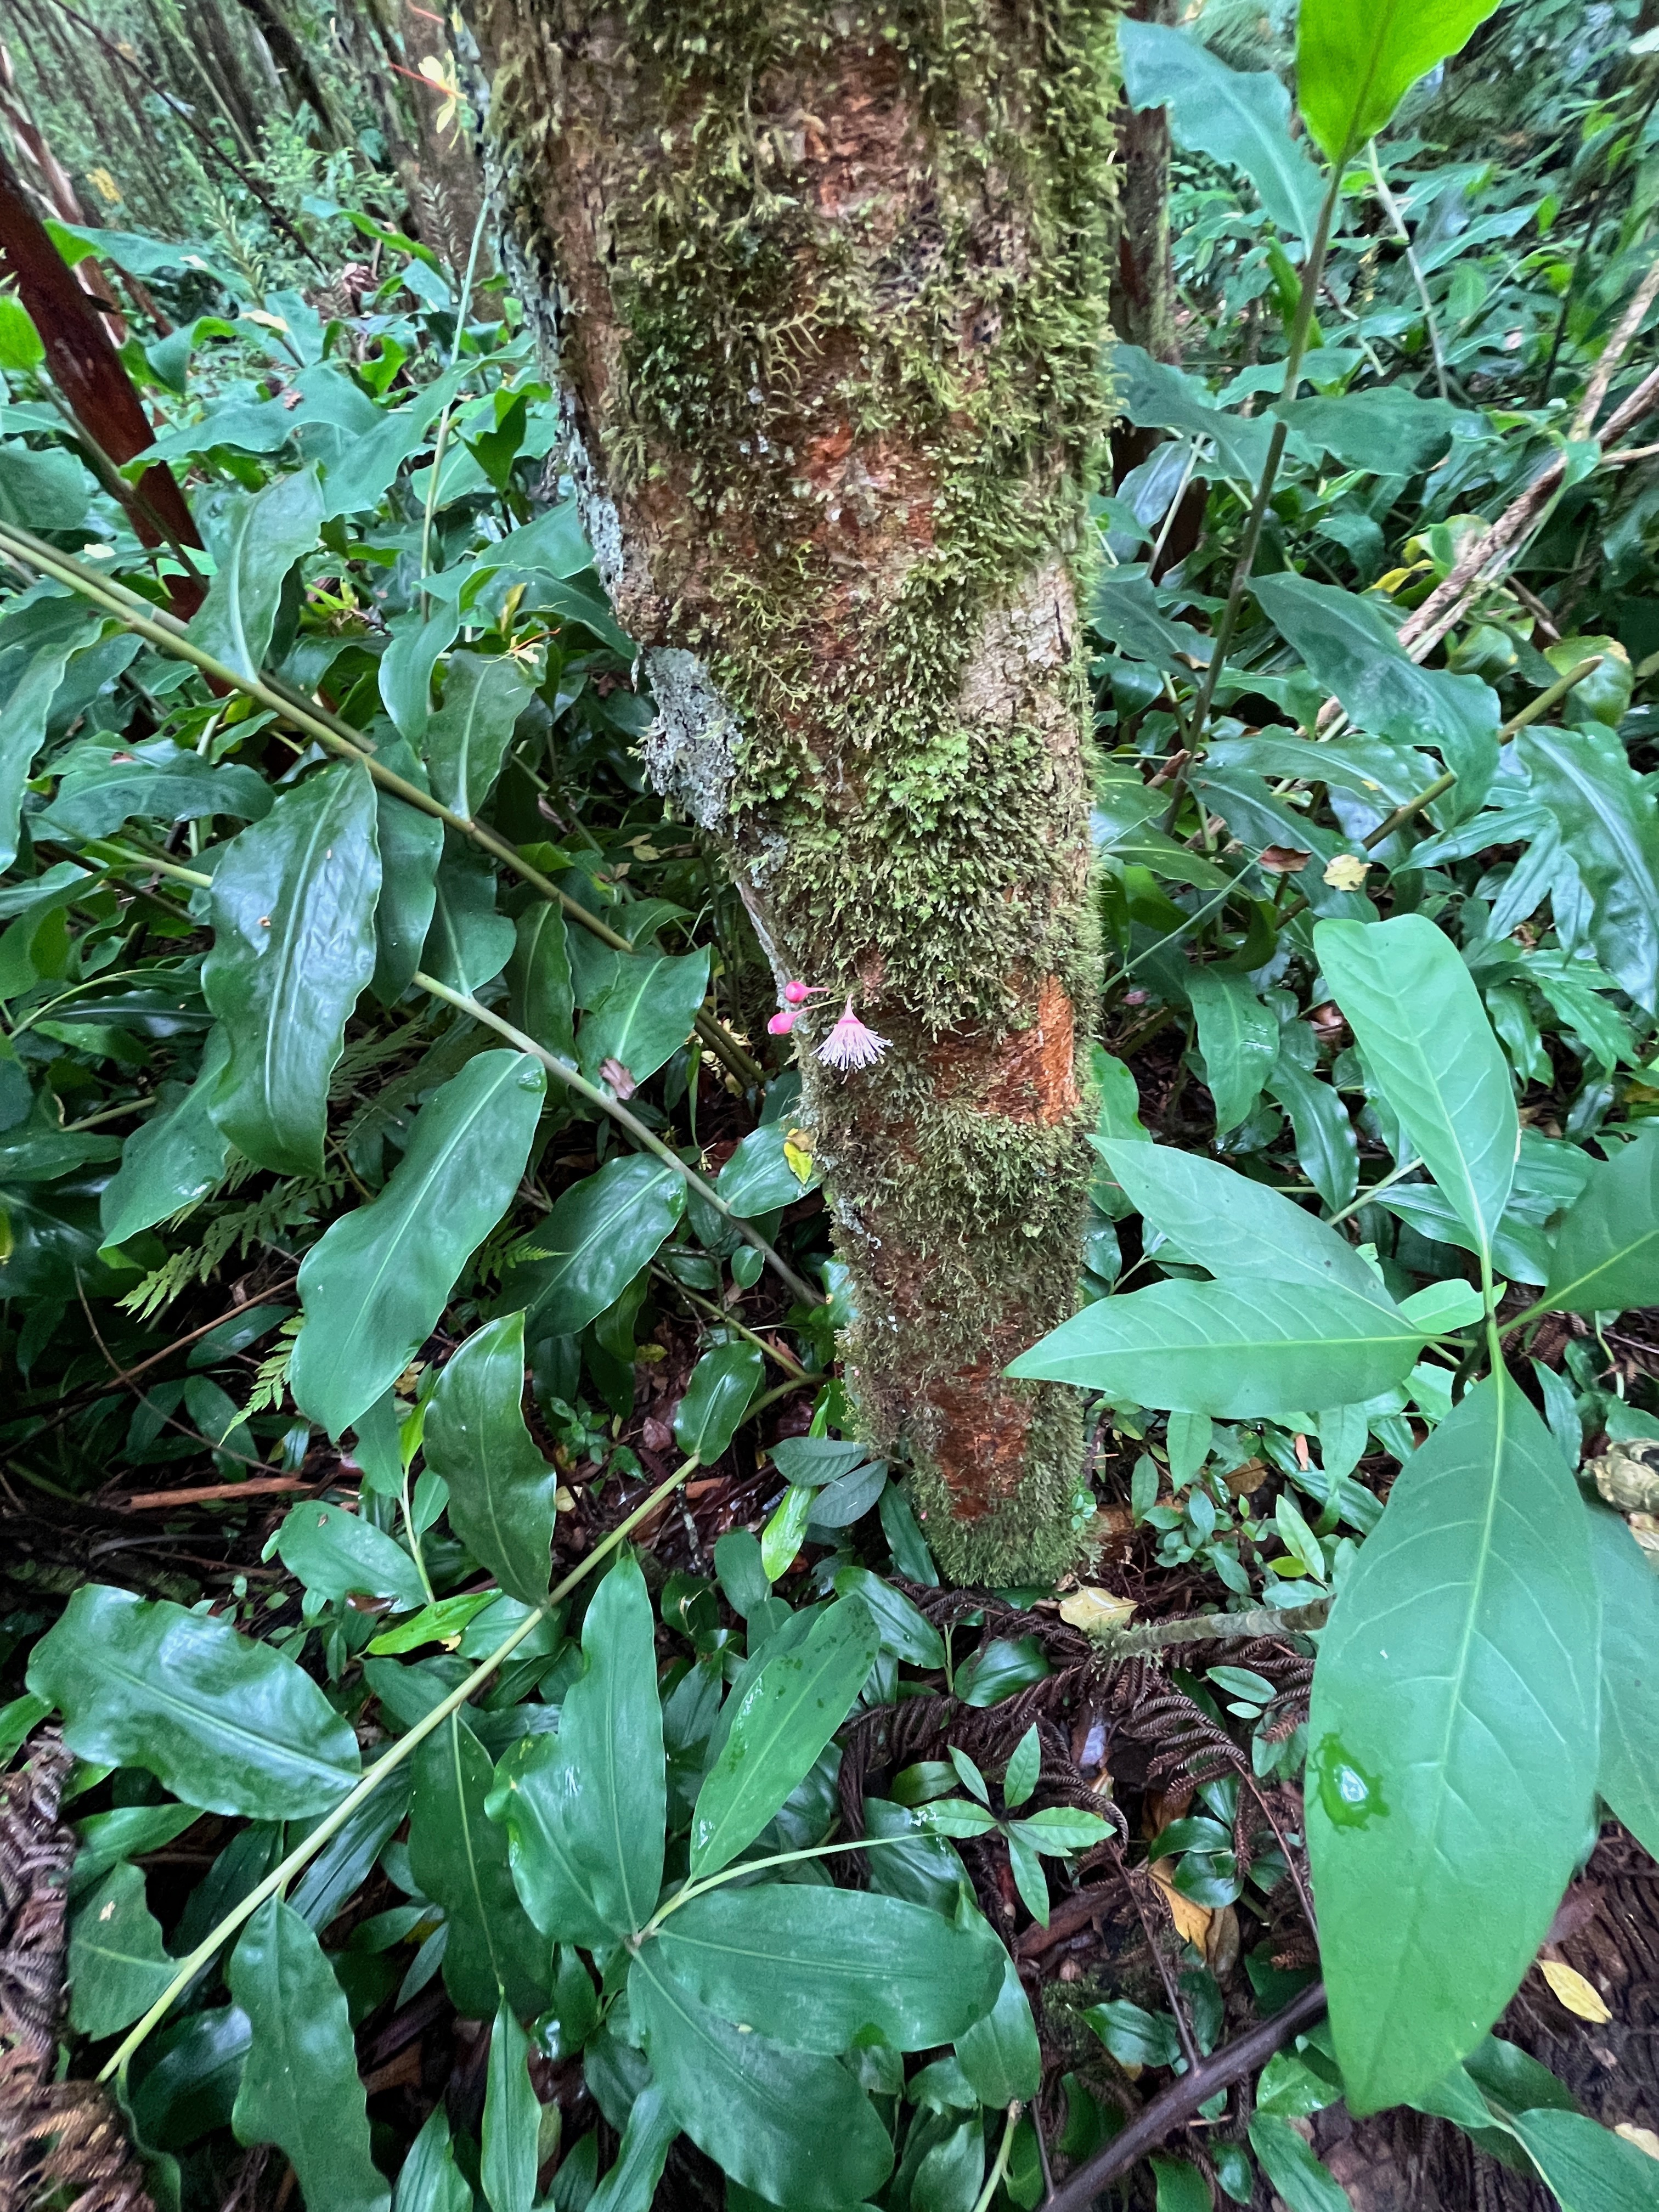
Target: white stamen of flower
851	1044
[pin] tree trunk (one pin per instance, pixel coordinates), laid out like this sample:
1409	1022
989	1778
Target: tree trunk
825	286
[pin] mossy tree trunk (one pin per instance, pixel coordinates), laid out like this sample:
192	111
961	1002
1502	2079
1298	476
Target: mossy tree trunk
825	283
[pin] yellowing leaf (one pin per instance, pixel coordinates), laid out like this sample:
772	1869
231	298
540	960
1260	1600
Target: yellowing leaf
1578	1996
798	1152
1094	1611
1192	1921
1643	2138
1346	873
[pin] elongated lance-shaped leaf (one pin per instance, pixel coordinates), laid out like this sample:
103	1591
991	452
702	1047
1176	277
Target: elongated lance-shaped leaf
601	1233
511	2119
1588	2167
1238	1037
300	2088
458	1856
293	907
631	2184
645	1016
1453	1732
24	713
468	735
1628	1775
1606	1250
373	1285
174	1158
585	1811
119	1965
226	1723
502	1490
1413	1007
256	537
1225	1222
1608	821
406	666
1355	65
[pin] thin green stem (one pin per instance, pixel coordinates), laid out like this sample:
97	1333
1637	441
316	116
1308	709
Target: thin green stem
746	1867
442	440
1365	1196
787	1360
303	1852
414	1540
1005	2151
645	1139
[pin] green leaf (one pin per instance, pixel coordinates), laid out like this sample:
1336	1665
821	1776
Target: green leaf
224	1723
1351	648
299	2086
511	2119
23	716
786	1532
338	1554
1180	2186
376	1282
1238	1037
1000	2054
1355	65
367	464
1241	117
584	1809
117	1963
1156	397
792	2126
645	1016
1627	1777
538	981
1025	1765
1383	430
458	1856
468	735
430	2180
412	848
1000	1669
255	538
468	943
124	1832
175	1158
1606	1254
1125	611
1327	1149
1454	1733
21	348
1590	2168
599	1236
406	671
434	1624
631	2184
501	1489
293	908
1237	1350
1061	1828
716	1399
1133	2036
904	1629
1305	2182
955	1817
759	1176
1608	820
101	788
1417	1016
796	1704
812	1967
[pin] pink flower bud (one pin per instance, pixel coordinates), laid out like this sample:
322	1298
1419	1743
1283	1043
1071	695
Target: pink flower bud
795	995
780	1024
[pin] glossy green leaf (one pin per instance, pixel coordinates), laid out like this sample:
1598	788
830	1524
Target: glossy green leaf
300	2087
1240	117
458	1856
1453	1735
1606	1254
1417	1015
1383	429
585	1810
255	538
501	1489
1238	1037
430	2180
1628	1775
191	2082
117	1963
293	908
1237	1351
376	1282
125	1831
792	2125
1304	2182
406	671
1000	1669
1232	1226
1000	2054
538	981
174	1158
412	848
1155	396
716	1398
1608	820
225	1723
759	1176
794	1706
1180	2186
367	464
1327	1149
511	2119
23	716
645	1016
468	735
1588	2167
1125	611
1355	65
812	1967
467	943
786	1532
599	1236
631	2184
101	788
338	1554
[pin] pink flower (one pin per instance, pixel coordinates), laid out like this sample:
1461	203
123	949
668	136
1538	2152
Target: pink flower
850	1044
780	1024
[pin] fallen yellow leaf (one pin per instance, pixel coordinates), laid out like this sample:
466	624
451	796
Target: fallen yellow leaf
1346	872
1192	1921
1095	1611
1643	2138
1578	1996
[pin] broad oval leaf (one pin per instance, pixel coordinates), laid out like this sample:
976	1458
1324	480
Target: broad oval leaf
1415	1010
502	1490
812	1967
1588	2168
783	1721
792	2126
468	735
1454	1733
1238	1351
1238	1037
338	1554
716	1398
646	1015
300	2087
293	908
1606	1254
255	538
376	1282
225	1723
1628	1775
101	788
1355	65
117	1963
761	1175
599	1236
585	1810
